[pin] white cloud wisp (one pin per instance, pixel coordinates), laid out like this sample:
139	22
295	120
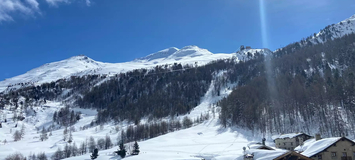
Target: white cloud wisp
11	8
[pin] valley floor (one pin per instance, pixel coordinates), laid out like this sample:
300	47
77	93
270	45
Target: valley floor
207	140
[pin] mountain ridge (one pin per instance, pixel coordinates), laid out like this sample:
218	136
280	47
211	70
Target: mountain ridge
82	65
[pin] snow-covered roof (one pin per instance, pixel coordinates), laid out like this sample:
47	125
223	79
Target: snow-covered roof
312	147
260	154
259	146
289	135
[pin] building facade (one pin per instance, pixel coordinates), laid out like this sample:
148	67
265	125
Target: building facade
338	149
290	141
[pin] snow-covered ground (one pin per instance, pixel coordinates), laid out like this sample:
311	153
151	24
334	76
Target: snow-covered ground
208	140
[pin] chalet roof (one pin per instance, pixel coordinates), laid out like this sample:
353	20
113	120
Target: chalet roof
260	146
289	135
261	154
291	153
312	147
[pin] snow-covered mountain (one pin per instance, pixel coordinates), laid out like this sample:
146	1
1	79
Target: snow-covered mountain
83	65
333	31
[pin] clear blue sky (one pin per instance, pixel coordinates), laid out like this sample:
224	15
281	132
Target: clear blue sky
34	32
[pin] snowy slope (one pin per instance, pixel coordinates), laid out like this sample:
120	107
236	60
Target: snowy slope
247	54
82	65
207	140
333	31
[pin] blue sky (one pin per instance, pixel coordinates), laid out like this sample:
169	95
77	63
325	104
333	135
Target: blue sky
34	32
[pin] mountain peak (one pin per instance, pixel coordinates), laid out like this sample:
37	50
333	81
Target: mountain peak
175	53
190	51
160	54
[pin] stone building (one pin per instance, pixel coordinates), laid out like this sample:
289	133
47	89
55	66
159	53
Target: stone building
290	141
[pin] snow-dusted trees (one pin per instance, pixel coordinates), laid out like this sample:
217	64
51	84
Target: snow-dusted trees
75	150
65	133
67	151
70	139
66	117
15	156
43	135
122	150
41	156
101	143
22	130
17	135
187	122
94	154
108	142
135	148
58	155
91	144
32	156
83	147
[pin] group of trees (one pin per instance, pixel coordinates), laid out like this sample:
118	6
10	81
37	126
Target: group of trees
155	93
18	134
19	156
70	150
66	117
304	87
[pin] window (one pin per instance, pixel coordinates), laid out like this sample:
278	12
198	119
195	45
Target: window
279	144
291	144
319	157
284	144
344	154
334	154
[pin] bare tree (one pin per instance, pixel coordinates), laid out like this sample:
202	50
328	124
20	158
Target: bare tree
108	142
101	143
92	144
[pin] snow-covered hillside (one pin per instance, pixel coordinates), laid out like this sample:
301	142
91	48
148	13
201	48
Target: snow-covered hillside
333	31
207	140
83	65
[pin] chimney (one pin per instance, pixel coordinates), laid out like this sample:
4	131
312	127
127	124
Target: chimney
263	140
318	137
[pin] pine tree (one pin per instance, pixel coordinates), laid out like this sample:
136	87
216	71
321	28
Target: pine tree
70	139
65	134
135	148
17	136
122	151
108	142
75	150
92	144
95	154
22	130
43	135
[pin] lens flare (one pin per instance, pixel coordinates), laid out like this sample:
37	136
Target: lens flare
263	24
